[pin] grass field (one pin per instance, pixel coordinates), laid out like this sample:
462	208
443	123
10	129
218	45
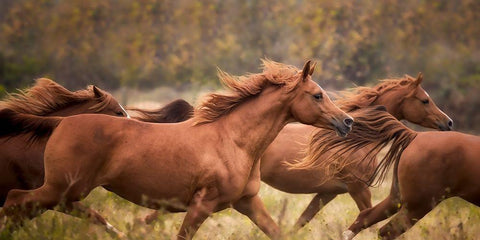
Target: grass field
453	219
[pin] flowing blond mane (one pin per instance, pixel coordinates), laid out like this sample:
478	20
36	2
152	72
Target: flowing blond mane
240	88
361	97
48	96
373	127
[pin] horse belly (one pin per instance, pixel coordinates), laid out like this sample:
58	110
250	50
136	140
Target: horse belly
151	194
304	181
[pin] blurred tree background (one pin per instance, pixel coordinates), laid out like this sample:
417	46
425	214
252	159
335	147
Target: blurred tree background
148	43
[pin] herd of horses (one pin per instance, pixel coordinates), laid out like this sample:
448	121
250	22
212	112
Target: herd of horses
57	146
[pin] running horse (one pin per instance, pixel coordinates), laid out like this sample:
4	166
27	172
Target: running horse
404	98
202	165
428	167
22	162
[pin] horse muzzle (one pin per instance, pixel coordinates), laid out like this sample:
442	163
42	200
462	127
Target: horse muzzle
342	128
445	126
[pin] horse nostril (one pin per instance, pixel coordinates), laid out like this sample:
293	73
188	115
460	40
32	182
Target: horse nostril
348	122
450	123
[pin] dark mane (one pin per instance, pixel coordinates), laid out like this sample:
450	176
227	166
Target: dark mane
48	96
36	127
373	127
240	88
176	111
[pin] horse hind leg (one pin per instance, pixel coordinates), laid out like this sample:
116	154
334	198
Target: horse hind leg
401	222
253	208
197	212
27	204
77	209
370	216
317	203
361	195
153	216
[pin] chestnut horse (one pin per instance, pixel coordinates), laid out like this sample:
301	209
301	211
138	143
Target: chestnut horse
200	166
429	167
404	98
21	162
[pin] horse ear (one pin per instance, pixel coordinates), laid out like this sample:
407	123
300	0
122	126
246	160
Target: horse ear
306	70
97	92
419	79
312	69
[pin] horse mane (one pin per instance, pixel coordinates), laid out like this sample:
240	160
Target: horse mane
176	111
361	97
373	127
47	96
241	88
36	127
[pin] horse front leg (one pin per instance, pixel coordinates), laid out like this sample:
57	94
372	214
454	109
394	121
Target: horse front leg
27	204
370	216
317	203
404	220
361	195
197	212
252	207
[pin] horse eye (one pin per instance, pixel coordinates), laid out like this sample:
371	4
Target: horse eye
425	101
119	113
318	96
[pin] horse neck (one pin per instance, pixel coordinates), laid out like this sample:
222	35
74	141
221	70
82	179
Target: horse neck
253	125
392	101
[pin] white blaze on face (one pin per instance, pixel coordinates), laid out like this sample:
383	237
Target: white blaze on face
426	93
123	109
439	108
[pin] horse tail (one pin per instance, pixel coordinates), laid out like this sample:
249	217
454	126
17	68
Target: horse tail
395	189
176	111
13	124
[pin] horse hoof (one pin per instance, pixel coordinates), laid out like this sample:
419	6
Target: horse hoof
121	235
115	232
348	235
139	221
